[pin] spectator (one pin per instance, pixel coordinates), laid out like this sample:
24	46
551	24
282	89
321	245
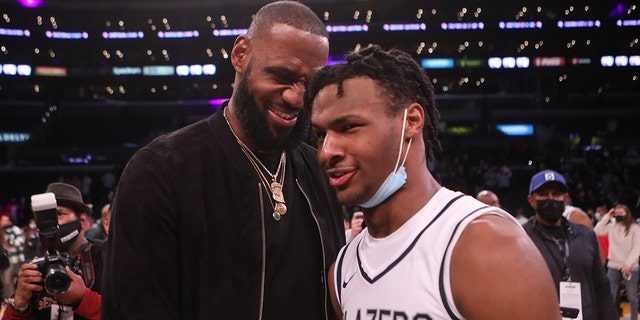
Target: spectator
14	243
624	251
577	215
570	249
488	197
356	223
32	246
100	229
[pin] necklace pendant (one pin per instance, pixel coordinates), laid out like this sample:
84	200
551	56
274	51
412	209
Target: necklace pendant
276	192
281	208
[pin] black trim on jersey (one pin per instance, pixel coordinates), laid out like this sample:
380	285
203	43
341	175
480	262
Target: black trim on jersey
404	254
338	267
443	295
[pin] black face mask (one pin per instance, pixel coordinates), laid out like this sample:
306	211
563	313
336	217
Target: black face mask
69	232
619	218
550	210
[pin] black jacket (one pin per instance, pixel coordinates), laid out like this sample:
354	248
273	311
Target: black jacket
584	264
186	236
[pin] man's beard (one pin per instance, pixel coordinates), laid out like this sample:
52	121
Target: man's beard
253	119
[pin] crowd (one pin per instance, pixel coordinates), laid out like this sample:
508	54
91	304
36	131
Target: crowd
606	176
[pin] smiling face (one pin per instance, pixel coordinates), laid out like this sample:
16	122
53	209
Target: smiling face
273	69
358	140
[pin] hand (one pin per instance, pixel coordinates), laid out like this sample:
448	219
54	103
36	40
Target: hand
356	224
610	216
625	269
76	290
29	280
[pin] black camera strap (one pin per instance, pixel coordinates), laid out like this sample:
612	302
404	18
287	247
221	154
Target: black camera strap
87	267
83	254
563	248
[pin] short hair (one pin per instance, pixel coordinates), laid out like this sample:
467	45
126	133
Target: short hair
488	197
291	13
400	78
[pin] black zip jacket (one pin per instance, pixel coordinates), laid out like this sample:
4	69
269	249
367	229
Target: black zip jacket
186	239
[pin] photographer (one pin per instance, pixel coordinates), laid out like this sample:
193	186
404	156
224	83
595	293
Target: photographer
82	259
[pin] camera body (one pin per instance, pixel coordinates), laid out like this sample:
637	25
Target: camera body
56	279
52	264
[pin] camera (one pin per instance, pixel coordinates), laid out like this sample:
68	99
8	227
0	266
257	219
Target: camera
570	313
52	264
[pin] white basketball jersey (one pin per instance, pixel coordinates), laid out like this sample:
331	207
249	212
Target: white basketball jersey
405	276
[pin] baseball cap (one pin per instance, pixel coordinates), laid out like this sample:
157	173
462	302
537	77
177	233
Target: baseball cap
546	176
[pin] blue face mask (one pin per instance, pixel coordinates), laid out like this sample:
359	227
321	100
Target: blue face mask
396	179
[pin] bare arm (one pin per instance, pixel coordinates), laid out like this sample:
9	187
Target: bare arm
498	273
581	217
332	293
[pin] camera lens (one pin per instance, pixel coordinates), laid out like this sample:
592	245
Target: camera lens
56	280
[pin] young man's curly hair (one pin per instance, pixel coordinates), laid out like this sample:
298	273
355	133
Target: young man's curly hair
397	74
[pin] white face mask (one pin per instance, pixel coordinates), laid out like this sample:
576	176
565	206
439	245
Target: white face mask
396	179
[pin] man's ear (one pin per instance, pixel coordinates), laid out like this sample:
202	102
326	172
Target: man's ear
240	53
531	201
415	121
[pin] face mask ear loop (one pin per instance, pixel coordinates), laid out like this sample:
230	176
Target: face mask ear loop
404	125
406	153
323	143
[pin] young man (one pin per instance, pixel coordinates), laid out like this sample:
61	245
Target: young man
231	217
82	299
427	252
571	250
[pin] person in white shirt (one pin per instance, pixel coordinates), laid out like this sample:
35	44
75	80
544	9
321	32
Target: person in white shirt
427	252
624	251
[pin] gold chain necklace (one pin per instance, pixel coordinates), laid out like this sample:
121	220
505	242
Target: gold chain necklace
275	187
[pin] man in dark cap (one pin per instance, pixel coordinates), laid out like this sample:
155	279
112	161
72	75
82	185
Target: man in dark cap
570	249
82	299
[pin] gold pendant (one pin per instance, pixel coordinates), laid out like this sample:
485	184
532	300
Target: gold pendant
281	208
276	191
